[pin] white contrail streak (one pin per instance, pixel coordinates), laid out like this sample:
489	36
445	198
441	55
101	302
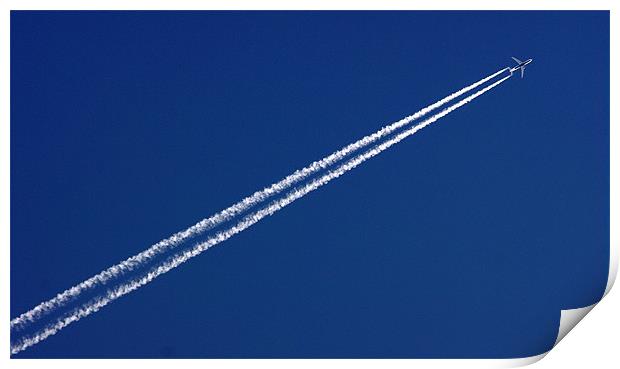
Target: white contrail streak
139	259
246	222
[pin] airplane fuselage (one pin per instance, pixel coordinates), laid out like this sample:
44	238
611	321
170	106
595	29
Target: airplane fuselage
522	65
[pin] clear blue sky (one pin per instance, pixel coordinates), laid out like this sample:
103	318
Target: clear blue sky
464	241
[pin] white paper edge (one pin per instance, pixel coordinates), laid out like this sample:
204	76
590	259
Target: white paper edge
568	318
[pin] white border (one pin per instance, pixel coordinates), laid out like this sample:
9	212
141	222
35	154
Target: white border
569	318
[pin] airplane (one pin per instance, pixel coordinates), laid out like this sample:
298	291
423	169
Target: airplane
521	65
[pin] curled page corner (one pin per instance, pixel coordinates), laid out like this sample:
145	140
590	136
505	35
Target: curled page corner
570	317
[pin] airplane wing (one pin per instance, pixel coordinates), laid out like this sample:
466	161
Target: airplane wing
522	71
517	60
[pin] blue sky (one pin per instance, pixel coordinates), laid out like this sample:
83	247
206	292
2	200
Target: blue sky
465	240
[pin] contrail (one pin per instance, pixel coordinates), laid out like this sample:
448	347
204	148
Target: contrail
246	222
139	259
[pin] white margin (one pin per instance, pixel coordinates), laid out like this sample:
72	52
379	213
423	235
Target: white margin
569	318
